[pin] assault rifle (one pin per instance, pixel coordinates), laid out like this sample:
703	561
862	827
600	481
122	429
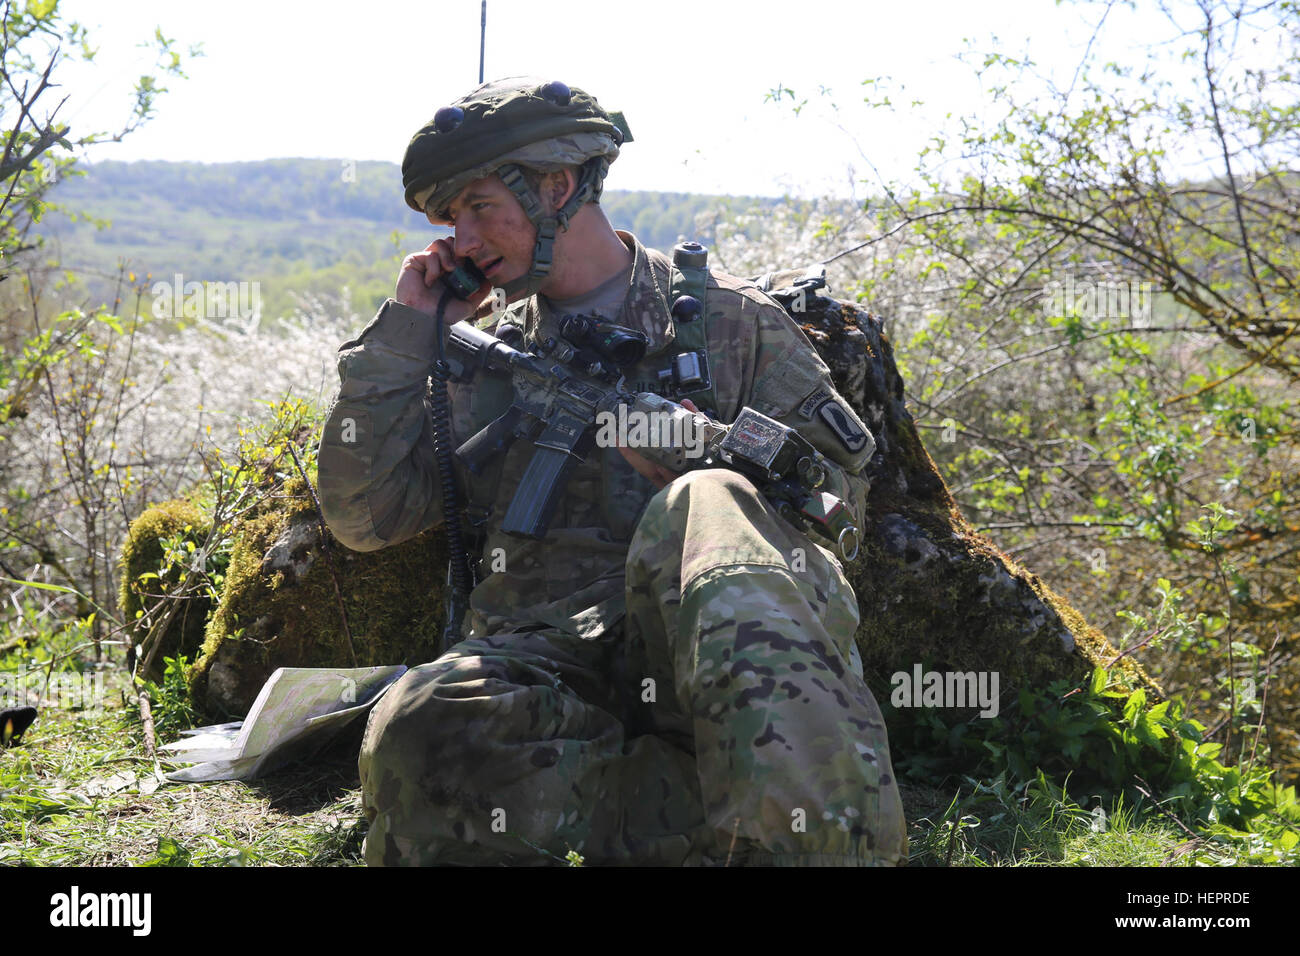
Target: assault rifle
569	391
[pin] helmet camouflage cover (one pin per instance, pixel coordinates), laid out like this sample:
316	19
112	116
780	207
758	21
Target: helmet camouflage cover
521	121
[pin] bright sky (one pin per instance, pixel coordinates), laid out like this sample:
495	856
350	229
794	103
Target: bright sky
354	81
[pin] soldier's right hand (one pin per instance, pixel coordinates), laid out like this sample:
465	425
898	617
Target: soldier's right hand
419	288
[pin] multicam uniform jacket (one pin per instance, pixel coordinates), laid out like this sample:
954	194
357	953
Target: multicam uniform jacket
378	479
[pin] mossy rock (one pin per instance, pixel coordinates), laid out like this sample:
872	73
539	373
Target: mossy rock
142	554
280	606
931	590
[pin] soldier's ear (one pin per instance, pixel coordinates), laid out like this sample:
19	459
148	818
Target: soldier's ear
559	186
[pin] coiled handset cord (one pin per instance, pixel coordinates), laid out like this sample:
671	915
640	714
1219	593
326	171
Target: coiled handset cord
459	579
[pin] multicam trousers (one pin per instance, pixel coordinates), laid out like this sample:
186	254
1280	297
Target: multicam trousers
727	721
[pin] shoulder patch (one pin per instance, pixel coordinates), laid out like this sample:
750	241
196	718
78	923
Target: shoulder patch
853	438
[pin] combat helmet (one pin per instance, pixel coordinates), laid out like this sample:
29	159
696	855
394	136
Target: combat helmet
500	127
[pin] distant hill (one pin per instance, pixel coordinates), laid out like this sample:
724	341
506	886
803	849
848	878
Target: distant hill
292	225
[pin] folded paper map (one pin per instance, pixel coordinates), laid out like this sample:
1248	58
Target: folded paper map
298	711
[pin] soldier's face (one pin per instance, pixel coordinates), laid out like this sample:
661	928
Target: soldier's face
492	230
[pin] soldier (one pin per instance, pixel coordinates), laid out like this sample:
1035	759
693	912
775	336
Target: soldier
670	675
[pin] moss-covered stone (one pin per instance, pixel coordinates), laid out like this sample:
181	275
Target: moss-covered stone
931	589
280	608
139	595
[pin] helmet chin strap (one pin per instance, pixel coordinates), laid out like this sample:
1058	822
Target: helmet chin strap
590	184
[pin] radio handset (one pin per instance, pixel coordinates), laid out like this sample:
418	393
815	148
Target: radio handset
464	280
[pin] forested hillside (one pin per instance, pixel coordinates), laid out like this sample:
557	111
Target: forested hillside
295	226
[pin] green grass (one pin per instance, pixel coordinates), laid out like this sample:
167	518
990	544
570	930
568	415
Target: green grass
985	824
79	790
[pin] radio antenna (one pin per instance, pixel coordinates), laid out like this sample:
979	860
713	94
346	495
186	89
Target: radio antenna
482	39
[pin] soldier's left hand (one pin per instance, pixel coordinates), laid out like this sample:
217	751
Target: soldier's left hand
657	475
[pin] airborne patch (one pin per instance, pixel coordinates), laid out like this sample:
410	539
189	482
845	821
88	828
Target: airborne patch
808	407
846	429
